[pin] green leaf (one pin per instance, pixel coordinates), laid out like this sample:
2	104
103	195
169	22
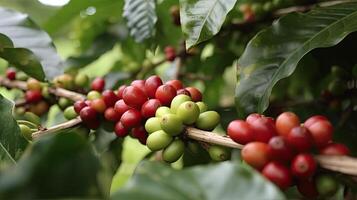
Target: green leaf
274	53
202	19
223	181
141	18
12	144
56	166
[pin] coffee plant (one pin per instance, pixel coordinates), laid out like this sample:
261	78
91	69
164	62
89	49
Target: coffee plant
178	99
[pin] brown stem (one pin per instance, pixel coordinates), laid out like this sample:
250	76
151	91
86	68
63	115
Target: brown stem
54	129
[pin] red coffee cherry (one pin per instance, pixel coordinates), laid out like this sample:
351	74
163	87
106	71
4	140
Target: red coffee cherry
240	132
165	94
151	85
88	114
120	130
278	174
313	119
308	188
300	139
263	128
134	97
252	117
321	131
285	122
111	115
255	154
98	105
121	91
177	84
278	150
140	134
98	84
170	53
109	98
335	149
303	166
131	118
11	74
149	108
195	94
79	105
33	96
183	91
120	107
139	84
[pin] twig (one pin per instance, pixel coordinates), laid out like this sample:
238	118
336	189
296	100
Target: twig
54	129
20	103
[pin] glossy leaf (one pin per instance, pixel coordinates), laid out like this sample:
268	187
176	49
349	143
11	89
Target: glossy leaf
274	53
223	181
203	19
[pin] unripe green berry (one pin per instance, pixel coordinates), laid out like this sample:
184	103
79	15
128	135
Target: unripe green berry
152	125
188	112
158	140
21	76
81	80
208	120
338	72
31	117
218	153
326	185
26	132
63	102
69	113
93	95
268	6
202	106
45	92
64	81
174	151
171	124
163	110
177	101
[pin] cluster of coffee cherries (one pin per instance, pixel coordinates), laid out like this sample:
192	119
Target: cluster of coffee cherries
256	10
282	149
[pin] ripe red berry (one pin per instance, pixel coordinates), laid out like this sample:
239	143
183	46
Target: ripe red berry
278	174
98	105
183	91
109	98
131	118
120	91
149	108
140	133
139	84
98	84
151	85
300	139
308	188
255	154
252	117
177	84
33	96
303	166
321	131
79	105
240	132
11	74
313	119
111	115
285	122
165	94
134	97
170	53
195	94
120	107
278	150
88	114
263	128
120	130
335	149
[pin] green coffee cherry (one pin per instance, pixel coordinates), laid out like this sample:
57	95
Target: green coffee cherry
268	6
337	87
171	124
20	111
152	125
81	80
202	106
188	112
174	151
326	185
338	72
69	113
63	103
177	101
93	95
26	132
21	76
278	3
64	81
158	140
45	92
31	117
208	120
161	111
218	153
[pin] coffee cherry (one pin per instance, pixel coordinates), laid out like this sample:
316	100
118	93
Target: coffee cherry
64	81
177	101
163	110
326	185
78	106
321	131
152	124
120	107
218	153
278	174
63	102
189	112
158	140
208	120
93	95
121	91
170	53
202	106
300	139
149	108
109	98
240	132
285	122
177	84
11	74
175	15
31	117
120	130
314	119
337	87
140	134
88	114
134	97
335	149
69	113
33	96
139	84
131	118
195	94
111	115
33	84
45	93
171	124
81	80
255	154
26	132
21	76
263	128
183	91
98	105
252	117
98	84
151	85
278	150
39	108
303	166
174	151
308	188
165	94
